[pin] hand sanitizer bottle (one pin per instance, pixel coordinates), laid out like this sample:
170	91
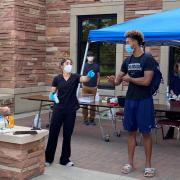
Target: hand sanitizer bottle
167	96
97	98
56	98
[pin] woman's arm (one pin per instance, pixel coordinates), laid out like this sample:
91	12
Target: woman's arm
53	89
52	93
84	79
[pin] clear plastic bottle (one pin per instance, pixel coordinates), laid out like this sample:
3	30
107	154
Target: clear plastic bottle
2	122
56	98
10	120
37	124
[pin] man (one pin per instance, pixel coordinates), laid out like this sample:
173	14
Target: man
139	110
90	88
174	88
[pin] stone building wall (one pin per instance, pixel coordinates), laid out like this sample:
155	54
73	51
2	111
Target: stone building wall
22	43
30	43
35	33
138	8
7	44
58	26
58	32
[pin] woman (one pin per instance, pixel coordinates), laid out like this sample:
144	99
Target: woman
64	112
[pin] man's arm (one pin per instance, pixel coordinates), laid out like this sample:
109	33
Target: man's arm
142	81
116	80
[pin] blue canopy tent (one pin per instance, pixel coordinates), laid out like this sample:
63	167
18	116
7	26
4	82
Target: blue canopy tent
158	29
162	29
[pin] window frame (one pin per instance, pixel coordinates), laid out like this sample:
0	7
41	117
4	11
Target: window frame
171	61
80	42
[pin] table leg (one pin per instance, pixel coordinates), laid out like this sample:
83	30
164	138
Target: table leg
104	136
178	134
114	123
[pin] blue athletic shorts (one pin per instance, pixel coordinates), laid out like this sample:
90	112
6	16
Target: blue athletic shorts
139	115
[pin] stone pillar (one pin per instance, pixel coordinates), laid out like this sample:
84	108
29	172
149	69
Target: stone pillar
22	50
22	156
30	43
7	44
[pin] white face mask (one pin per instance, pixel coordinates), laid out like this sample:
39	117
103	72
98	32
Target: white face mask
68	68
90	58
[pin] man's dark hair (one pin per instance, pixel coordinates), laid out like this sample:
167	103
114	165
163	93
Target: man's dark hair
136	35
90	53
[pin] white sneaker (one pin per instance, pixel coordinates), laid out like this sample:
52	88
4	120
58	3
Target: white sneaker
70	164
47	164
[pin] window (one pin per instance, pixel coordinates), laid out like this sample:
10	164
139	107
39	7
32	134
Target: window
105	53
173	58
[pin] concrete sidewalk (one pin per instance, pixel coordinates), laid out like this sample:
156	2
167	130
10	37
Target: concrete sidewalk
90	152
57	172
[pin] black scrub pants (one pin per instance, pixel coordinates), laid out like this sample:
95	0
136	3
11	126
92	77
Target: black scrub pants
65	118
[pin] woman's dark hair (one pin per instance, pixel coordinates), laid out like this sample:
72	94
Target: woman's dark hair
136	35
63	60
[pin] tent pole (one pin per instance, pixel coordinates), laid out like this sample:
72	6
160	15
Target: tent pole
83	64
84	59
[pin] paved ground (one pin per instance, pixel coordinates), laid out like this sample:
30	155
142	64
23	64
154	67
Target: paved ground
90	152
56	172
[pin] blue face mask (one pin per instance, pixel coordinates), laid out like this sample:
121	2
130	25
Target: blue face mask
129	49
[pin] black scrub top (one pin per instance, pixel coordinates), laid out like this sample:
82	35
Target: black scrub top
67	91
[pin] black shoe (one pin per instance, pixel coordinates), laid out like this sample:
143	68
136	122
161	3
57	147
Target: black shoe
169	137
170	133
86	122
92	122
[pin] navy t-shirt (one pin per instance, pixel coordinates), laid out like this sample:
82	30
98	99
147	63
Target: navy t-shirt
95	68
134	69
67	91
175	84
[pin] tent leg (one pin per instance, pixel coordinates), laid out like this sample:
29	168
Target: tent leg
83	64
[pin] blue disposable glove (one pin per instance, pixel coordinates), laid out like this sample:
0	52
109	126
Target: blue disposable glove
90	74
56	98
51	96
